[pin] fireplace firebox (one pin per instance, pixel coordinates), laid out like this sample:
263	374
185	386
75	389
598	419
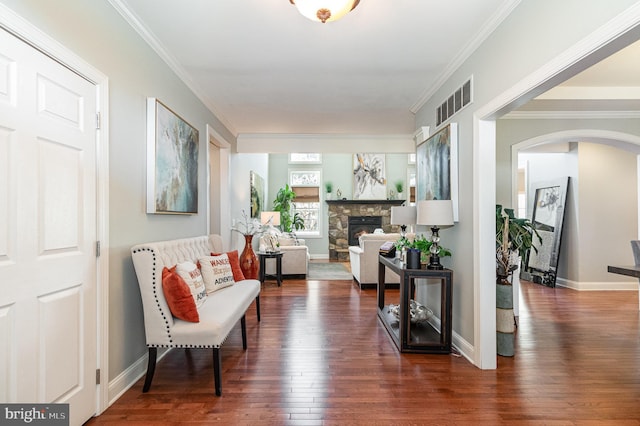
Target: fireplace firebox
359	225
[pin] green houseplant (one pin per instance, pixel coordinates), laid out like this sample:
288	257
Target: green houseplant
514	239
328	187
423	244
399	185
283	203
514	236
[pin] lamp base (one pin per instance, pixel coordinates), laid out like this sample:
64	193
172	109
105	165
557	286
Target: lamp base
434	262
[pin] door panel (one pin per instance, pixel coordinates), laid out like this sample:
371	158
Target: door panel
47	231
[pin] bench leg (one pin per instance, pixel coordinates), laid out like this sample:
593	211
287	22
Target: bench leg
243	326
151	368
216	371
258	307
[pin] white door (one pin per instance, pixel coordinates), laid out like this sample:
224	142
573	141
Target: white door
47	232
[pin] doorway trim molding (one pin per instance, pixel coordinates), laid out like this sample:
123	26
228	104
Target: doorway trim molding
610	37
223	171
24	30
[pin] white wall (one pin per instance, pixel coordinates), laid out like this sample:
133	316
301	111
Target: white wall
608	211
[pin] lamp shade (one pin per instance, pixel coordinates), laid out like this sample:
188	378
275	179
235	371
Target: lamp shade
324	10
274	216
435	213
403	215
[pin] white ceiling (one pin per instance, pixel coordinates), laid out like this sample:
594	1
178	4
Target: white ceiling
263	68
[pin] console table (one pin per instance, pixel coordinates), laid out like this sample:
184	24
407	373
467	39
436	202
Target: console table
421	337
631	271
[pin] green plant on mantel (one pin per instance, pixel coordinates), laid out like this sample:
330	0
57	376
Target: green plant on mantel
399	185
328	186
283	203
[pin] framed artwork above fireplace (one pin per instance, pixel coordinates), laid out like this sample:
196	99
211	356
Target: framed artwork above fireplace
369	177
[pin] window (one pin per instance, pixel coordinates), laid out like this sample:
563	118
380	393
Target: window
306	185
305	158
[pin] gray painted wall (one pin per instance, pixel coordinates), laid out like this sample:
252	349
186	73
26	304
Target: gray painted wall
535	33
98	34
601	214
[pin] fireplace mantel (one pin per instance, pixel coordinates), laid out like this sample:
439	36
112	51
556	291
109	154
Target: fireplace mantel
388	202
341	210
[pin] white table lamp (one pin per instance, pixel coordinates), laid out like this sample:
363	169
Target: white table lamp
436	214
403	216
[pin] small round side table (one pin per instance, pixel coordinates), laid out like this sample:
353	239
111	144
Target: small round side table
263	256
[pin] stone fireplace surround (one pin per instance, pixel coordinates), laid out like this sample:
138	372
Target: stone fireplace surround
339	212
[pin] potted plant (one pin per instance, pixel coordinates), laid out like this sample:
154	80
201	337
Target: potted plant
399	185
514	239
283	203
423	244
328	186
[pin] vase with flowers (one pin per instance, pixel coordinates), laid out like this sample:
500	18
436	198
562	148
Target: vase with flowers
248	259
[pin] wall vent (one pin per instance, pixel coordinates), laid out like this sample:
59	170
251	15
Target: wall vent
455	102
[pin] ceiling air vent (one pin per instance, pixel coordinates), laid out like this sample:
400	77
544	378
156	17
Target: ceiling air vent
454	103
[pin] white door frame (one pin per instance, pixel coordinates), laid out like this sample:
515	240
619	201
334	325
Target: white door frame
224	203
607	39
24	30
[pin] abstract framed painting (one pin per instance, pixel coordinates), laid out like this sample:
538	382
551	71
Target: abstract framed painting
437	167
172	162
369	181
256	189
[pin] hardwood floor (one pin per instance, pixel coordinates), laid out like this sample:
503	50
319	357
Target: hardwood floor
320	356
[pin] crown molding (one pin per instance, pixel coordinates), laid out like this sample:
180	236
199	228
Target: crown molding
149	37
480	37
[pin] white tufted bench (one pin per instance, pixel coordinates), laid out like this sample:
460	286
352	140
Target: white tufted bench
220	312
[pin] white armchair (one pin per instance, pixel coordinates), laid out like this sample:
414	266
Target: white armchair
364	260
295	256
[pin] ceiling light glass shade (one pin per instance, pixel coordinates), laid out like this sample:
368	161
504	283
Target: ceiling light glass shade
324	10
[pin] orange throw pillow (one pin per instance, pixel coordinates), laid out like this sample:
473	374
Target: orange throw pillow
234	260
178	296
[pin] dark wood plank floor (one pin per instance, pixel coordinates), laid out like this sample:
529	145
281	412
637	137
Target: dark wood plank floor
320	356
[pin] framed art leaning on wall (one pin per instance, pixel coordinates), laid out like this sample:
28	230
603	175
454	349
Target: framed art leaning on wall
172	162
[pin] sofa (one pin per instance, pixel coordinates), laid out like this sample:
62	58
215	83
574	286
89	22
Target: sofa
295	255
218	312
364	260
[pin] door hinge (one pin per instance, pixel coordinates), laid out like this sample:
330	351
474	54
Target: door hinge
97	121
97	248
98	376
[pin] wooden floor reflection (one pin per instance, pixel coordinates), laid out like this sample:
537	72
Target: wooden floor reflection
320	356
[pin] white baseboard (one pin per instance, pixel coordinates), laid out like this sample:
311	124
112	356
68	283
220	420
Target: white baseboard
598	285
131	375
463	347
319	256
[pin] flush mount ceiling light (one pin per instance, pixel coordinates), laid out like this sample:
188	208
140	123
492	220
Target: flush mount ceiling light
324	10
